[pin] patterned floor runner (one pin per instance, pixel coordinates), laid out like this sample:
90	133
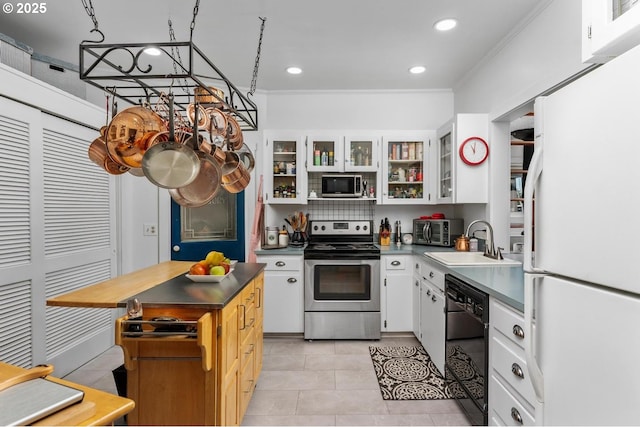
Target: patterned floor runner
408	373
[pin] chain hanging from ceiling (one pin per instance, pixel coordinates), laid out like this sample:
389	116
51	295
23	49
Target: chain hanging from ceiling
123	71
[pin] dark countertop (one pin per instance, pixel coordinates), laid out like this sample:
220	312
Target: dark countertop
181	292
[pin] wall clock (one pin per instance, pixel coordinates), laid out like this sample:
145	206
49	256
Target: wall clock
474	151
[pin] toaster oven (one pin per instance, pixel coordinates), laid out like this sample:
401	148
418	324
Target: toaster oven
437	232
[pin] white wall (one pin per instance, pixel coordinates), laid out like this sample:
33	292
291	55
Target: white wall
538	56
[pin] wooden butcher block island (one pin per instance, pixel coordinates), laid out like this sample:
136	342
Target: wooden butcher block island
195	356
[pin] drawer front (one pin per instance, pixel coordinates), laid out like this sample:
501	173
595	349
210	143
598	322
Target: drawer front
395	263
507	407
508	360
433	275
282	263
508	322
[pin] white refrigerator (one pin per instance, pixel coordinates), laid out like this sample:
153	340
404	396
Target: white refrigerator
582	270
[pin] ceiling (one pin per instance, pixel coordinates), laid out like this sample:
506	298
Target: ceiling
339	44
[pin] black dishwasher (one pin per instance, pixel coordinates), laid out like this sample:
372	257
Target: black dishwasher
467	347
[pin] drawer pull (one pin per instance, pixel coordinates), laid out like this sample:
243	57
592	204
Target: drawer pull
431	274
428	292
516	415
395	263
280	263
417	283
517	370
292	280
518	331
417	266
434	298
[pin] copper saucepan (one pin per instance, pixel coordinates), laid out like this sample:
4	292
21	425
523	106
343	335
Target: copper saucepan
98	154
235	176
203	96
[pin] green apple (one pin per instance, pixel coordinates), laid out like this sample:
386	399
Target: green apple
218	270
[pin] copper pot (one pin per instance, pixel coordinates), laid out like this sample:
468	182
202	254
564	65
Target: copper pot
129	134
218	123
233	168
203	118
238	185
203	95
234	135
98	154
215	151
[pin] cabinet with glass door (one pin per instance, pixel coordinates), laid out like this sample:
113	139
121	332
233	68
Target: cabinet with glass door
406	169
361	153
445	168
284	173
325	152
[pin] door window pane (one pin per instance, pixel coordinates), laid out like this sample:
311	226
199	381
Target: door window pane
213	221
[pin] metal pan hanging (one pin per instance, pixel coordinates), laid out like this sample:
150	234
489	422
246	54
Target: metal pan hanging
170	164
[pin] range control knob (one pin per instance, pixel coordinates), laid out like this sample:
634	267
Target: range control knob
315	227
357	228
323	228
365	228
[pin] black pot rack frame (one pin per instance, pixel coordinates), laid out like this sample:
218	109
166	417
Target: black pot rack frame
125	72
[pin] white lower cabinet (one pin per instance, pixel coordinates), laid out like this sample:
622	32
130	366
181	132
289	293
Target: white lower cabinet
283	293
511	395
396	293
415	298
432	314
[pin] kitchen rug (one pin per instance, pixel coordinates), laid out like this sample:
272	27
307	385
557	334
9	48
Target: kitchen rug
408	373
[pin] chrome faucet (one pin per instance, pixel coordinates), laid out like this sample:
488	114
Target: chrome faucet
489	249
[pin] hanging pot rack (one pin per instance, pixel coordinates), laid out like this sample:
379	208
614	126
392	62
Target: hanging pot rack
124	71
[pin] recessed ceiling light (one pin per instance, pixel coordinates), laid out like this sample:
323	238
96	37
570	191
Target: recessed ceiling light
418	69
445	24
294	70
153	51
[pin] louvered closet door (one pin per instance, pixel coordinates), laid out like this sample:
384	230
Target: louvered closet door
56	235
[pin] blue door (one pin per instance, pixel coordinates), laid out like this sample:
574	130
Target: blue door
216	226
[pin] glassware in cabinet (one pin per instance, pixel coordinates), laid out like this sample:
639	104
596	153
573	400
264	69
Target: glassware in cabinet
284	171
445	167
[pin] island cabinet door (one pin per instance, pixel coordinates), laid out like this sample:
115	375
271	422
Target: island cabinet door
229	341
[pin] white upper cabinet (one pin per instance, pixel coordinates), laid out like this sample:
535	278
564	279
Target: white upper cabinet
462	160
361	153
609	28
325	152
335	152
285	178
406	168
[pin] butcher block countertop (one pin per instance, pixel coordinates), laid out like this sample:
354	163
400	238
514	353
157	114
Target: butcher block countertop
161	285
109	293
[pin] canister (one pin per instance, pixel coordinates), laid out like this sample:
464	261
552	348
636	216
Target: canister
283	237
272	236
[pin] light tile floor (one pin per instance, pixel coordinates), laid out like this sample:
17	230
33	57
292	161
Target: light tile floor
329	383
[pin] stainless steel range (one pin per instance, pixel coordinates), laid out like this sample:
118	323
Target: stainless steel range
342	281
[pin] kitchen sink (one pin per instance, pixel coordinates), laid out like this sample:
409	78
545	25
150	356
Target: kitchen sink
468	258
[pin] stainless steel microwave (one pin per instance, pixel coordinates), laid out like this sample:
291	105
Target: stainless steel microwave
342	185
437	232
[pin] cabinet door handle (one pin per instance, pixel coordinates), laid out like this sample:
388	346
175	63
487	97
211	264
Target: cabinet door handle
417	283
395	263
431	275
292	280
280	263
259	290
244	317
434	298
516	415
518	331
428	292
417	266
517	370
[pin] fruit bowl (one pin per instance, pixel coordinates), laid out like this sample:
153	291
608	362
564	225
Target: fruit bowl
208	277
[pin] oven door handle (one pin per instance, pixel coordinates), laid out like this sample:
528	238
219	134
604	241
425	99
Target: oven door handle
426	231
